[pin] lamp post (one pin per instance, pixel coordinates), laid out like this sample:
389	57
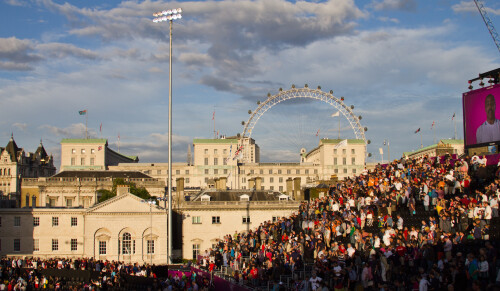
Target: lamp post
151	202
170	16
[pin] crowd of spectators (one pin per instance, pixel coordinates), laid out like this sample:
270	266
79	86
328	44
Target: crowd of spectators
355	236
31	274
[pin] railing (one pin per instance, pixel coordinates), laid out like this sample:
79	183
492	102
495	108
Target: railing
243	203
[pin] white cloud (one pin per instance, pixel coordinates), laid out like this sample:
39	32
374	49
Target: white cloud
470	7
21	126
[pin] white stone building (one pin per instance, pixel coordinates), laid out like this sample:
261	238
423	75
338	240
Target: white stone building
16	164
121	228
220	158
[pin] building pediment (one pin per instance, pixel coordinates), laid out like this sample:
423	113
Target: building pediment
123	203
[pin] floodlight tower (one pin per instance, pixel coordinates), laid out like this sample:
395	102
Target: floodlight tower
170	16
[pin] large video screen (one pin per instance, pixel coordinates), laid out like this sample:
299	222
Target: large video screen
481	109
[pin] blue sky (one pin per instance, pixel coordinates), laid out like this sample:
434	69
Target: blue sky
402	63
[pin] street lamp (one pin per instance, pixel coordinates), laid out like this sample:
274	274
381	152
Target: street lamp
149	247
170	16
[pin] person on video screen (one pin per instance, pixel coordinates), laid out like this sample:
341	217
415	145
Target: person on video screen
490	129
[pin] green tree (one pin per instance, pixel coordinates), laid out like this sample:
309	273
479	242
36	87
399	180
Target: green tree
140	192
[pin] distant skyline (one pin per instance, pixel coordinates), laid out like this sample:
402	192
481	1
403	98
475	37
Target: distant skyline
403	64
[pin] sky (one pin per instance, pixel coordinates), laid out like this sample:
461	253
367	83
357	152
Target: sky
403	64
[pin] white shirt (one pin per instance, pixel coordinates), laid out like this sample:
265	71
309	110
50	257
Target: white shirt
488	132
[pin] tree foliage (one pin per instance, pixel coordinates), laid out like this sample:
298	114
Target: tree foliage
140	192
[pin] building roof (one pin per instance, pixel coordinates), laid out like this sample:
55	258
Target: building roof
102	174
234	195
336	141
83	140
218	141
442	141
40	151
12	149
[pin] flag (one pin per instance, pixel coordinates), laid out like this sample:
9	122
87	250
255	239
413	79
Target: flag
418	130
453	116
433	124
82	112
336	114
341	144
317	133
213	116
100	127
99	148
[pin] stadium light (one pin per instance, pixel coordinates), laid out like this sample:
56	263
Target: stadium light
169	15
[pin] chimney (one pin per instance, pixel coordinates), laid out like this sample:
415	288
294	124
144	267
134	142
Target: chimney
122	189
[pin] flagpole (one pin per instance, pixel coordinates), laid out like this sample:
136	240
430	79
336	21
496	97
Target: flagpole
455	122
434	133
339	126
213	118
86	122
421	143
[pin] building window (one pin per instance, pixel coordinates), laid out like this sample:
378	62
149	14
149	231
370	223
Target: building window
177	172
334	151
344	151
33	201
336	171
297	172
251	172
281	188
17	245
279	172
36	221
55	244
151	246
126	243
271	188
216	171
216	161
82	161
345	171
206	171
55	221
246	219
187	180
215	151
17	221
74	244
242	172
353	160
206	162
102	247
69	202
83	151
187	172
261	171
74	221
196	219
215	219
73	151
92	161
270	171
224	151
280	179
288	172
206	180
73	161
158	172
344	161
92	151
196	251
225	171
275	218
353	151
206	151
354	171
271	180
307	171
36	245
